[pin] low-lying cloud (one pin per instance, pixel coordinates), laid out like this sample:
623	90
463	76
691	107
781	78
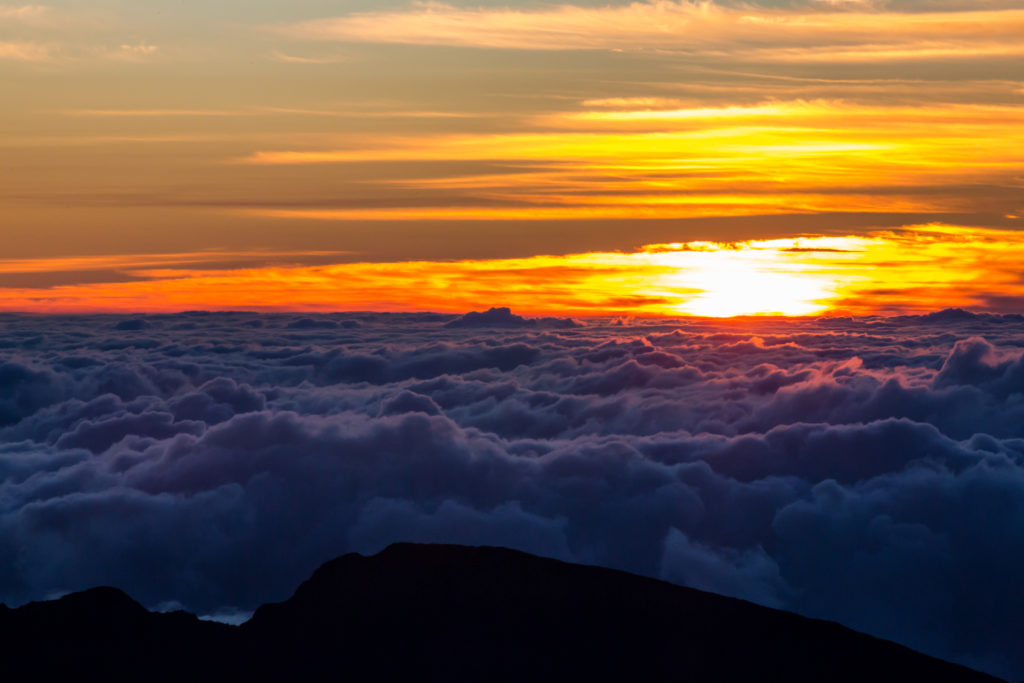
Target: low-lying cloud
866	470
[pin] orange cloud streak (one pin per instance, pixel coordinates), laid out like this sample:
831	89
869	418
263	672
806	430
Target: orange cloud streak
774	157
694	27
915	269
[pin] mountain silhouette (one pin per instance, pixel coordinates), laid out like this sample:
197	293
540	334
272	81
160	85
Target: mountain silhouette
454	613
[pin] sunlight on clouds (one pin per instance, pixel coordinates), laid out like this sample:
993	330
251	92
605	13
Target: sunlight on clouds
881	53
751	278
140	262
25	52
769	158
577	207
911	270
732	291
687	26
844	114
138	51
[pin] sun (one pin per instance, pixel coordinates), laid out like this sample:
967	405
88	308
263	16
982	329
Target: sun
750	278
737	292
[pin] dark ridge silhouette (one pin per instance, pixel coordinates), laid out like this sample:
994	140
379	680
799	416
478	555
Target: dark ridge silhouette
103	635
454	613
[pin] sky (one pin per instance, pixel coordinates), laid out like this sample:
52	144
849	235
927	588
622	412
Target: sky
844	157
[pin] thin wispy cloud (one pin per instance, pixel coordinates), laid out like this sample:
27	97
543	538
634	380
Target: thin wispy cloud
23	13
279	56
26	51
139	262
135	52
147	113
696	27
630	157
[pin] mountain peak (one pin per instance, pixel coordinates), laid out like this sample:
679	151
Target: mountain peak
457	613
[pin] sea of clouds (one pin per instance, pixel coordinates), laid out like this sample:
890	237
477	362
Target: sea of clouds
868	471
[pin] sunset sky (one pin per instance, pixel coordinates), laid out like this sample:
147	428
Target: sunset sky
648	158
702	290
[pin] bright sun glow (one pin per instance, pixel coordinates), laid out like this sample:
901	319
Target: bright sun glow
750	278
736	292
920	269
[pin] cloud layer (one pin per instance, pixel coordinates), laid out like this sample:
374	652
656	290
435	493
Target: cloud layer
867	470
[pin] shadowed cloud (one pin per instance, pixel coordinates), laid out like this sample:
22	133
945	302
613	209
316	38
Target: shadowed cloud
866	470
